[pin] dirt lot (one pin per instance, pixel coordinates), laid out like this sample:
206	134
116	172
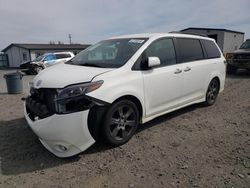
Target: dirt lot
193	147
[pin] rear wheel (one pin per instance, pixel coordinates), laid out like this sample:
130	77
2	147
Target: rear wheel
231	69
120	122
212	92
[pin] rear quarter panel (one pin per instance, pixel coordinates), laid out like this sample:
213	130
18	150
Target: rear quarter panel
219	70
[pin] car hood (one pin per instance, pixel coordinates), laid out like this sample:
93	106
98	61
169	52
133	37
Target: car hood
241	51
62	75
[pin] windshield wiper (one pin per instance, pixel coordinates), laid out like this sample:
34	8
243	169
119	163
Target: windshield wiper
89	65
83	64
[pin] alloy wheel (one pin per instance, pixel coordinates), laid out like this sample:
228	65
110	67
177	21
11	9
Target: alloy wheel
212	91
122	122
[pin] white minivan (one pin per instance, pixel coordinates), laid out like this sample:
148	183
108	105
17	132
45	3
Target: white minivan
113	86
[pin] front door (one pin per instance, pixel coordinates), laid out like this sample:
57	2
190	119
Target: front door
163	84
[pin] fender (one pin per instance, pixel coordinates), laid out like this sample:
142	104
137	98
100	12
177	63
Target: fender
112	89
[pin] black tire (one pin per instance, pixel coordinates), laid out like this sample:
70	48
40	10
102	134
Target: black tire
120	122
95	121
231	69
212	92
36	69
27	72
30	72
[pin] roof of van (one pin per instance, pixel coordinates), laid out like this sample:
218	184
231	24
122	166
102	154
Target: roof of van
158	35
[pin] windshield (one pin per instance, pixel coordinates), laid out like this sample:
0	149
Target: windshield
245	45
39	58
108	53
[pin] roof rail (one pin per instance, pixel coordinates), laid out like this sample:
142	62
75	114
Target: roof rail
188	33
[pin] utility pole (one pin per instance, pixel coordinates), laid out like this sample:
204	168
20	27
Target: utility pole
70	38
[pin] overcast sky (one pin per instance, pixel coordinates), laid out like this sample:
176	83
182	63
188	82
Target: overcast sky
34	21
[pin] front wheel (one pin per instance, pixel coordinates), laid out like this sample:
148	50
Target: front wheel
212	92
120	122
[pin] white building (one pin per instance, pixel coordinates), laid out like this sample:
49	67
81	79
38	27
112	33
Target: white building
227	40
18	53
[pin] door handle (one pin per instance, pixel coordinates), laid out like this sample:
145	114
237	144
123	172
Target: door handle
177	71
187	69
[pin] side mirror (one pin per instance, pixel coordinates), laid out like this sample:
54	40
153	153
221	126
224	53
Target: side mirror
153	62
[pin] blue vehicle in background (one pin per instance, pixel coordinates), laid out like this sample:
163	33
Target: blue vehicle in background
45	60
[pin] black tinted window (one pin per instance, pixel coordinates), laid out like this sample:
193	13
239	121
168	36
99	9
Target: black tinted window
189	49
164	49
211	49
67	55
61	56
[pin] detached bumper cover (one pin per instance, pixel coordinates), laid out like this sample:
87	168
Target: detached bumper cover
63	135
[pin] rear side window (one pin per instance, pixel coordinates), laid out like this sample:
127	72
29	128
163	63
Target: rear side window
189	49
67	55
211	49
61	56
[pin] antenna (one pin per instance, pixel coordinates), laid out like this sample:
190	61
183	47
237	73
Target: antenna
70	38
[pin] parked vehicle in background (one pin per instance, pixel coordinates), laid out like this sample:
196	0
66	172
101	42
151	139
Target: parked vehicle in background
239	59
46	60
111	87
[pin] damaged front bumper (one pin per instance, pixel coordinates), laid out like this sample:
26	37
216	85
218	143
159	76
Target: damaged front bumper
63	126
64	135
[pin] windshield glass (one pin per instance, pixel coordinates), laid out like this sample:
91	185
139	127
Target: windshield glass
108	53
39	58
245	45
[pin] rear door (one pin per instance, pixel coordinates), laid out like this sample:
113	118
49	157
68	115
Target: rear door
162	85
195	68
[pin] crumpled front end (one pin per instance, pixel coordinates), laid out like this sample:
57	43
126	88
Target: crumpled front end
61	125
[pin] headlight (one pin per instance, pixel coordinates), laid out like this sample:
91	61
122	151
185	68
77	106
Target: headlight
229	56
78	90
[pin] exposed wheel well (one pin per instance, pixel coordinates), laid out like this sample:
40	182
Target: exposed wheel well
133	99
97	114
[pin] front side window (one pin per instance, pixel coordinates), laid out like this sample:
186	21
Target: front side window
189	49
111	53
164	50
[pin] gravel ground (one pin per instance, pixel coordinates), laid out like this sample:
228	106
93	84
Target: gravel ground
193	147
